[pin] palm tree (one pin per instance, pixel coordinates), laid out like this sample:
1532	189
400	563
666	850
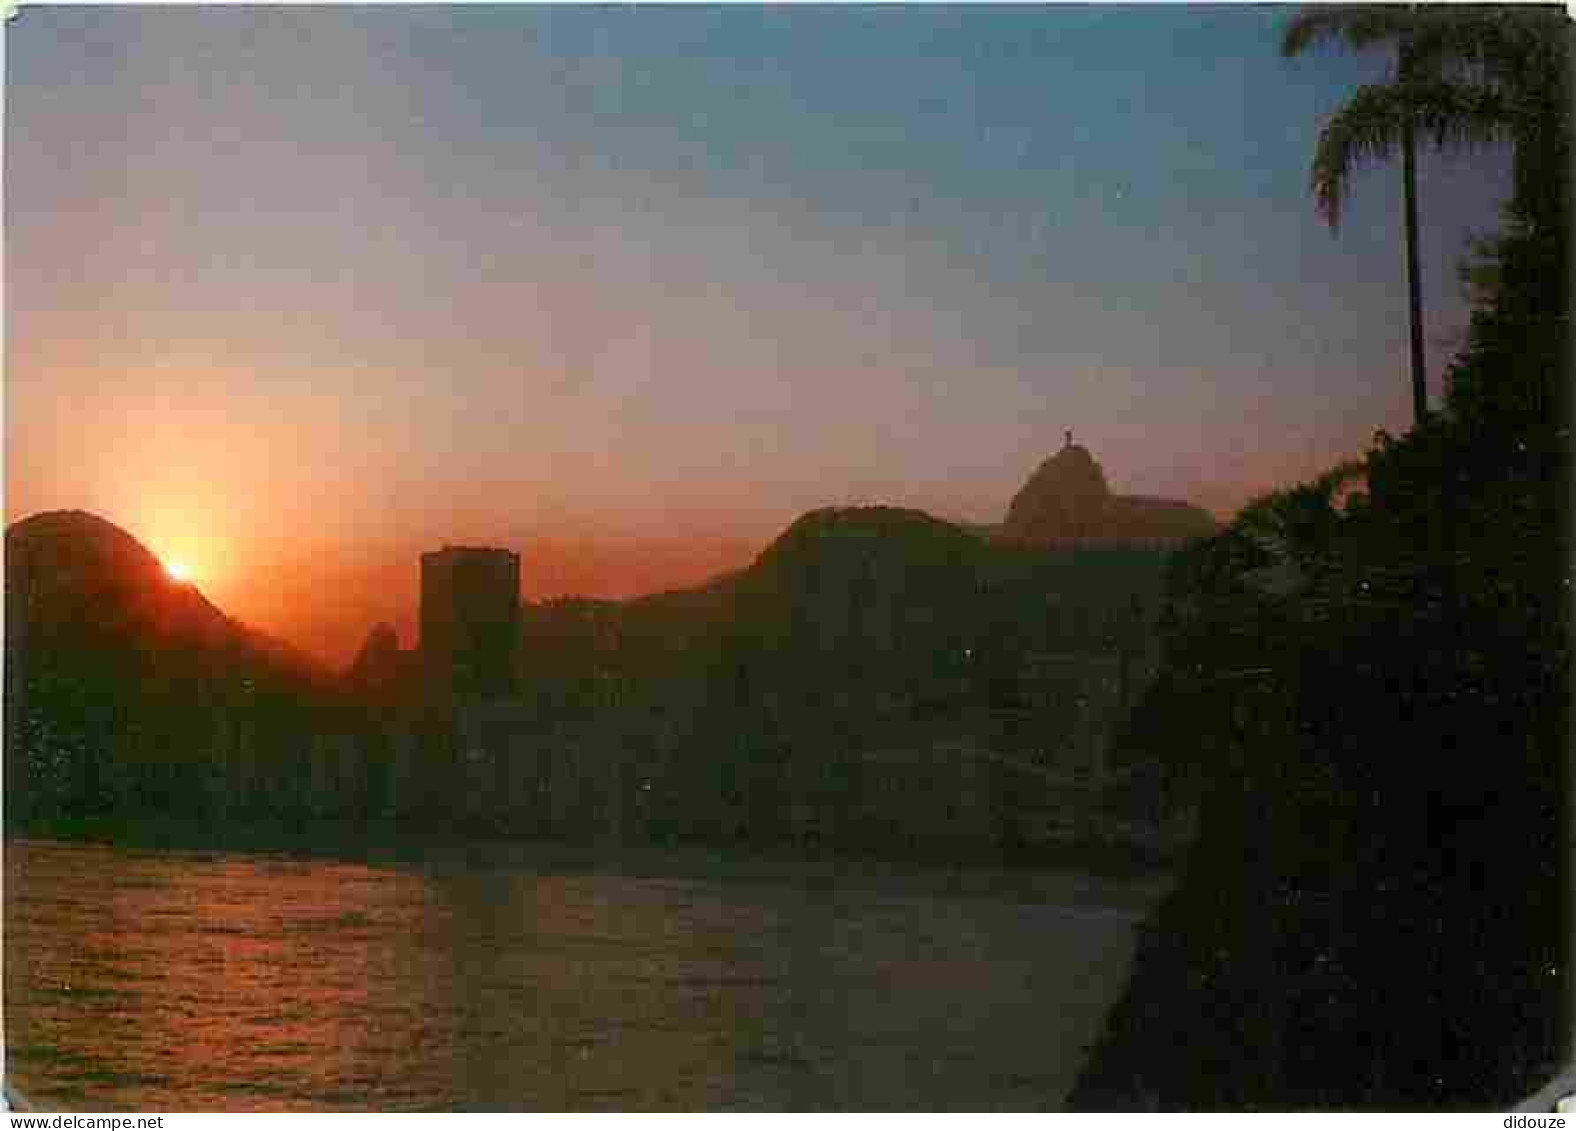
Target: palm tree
1376	121
1464	75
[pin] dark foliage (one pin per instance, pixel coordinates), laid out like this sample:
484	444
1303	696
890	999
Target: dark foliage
1373	688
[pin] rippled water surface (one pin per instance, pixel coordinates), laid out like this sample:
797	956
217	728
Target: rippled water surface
168	980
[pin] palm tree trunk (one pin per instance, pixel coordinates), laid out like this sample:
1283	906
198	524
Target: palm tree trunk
1413	283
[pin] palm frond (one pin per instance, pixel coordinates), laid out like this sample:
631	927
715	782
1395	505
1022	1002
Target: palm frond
1369	129
1456	116
1488	42
1494	36
1365	132
1356	27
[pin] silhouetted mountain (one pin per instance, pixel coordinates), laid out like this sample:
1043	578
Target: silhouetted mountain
866	589
70	570
850	580
866	539
117	674
839	676
382	673
819	693
1067	502
74	580
378	656
883	591
880	617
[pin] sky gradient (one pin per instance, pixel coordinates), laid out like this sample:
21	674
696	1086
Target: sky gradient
295	293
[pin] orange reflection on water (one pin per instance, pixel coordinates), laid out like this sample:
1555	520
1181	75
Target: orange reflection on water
179	981
192	965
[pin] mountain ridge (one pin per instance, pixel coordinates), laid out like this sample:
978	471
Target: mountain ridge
74	568
1067	501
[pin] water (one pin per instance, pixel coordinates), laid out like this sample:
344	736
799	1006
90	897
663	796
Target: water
225	981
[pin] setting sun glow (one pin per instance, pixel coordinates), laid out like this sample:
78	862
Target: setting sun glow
178	571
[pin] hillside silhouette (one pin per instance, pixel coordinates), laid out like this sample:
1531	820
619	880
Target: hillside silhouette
75	576
839	689
883	594
1067	502
834	692
122	683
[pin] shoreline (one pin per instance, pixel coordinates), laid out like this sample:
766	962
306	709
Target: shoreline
1134	878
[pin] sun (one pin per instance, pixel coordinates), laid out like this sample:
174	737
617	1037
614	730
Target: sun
178	571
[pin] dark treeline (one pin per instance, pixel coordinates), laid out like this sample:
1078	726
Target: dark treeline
1370	675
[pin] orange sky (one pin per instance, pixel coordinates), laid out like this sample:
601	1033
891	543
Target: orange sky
295	293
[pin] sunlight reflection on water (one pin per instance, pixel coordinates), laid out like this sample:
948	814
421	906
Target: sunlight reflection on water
159	980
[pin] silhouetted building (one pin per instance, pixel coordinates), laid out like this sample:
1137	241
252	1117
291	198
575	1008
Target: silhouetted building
470	607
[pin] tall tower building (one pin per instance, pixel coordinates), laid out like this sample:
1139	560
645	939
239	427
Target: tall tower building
470	604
